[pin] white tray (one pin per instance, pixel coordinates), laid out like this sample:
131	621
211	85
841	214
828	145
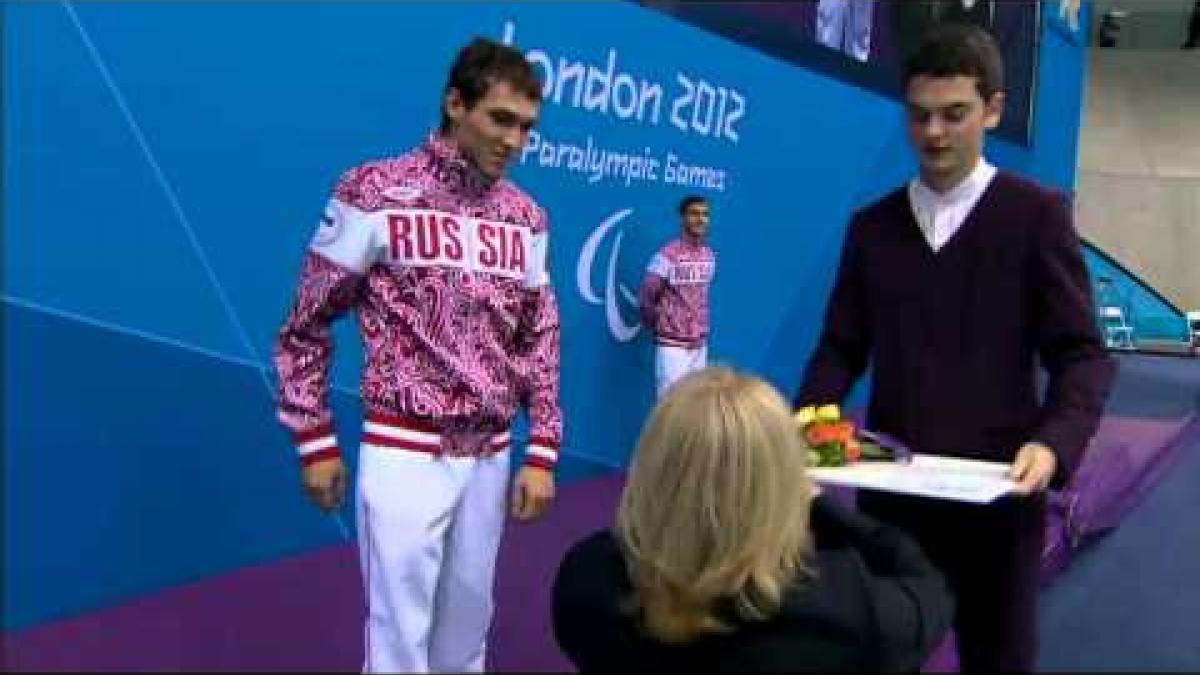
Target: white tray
963	480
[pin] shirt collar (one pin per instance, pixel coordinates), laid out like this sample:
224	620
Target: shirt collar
970	187
456	169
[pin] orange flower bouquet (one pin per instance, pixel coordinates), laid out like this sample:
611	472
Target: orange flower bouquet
832	440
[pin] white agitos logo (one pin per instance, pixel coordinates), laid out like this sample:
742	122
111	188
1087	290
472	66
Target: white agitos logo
620	330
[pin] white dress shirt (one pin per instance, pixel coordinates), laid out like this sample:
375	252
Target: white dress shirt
940	215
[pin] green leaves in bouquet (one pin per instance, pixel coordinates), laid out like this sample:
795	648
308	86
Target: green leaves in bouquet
830	454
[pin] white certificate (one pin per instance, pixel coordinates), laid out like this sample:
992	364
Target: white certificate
964	480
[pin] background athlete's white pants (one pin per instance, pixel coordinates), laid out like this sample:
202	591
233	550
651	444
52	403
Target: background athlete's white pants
429	531
672	363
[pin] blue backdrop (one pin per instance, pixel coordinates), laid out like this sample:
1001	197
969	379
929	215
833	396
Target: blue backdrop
166	163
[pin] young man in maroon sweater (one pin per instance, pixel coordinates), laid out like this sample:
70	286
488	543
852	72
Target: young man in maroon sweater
955	288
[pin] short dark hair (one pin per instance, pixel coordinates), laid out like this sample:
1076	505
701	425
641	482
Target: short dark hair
958	48
484	62
687	201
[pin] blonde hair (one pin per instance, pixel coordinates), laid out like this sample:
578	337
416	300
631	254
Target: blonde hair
716	506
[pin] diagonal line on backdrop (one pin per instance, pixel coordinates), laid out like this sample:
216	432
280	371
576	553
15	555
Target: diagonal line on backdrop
173	200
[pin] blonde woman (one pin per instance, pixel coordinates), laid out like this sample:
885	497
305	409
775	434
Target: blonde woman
722	559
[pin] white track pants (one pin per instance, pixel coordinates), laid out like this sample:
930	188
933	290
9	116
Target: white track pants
429	533
672	363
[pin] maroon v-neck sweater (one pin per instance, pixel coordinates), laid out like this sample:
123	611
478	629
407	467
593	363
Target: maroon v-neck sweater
954	337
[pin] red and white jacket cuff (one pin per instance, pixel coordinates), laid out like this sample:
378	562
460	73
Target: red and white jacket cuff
541	452
316	444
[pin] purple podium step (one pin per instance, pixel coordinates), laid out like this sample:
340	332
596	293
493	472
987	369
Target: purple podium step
305	613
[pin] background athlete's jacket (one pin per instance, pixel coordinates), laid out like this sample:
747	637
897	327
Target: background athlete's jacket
674	293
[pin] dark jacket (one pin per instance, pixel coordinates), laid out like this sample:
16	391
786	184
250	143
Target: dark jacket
955	338
876	604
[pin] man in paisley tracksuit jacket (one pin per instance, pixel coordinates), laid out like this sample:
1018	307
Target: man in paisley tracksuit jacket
445	262
674	296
